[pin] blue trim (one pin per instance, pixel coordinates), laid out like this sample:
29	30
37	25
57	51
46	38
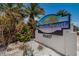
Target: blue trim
56	32
42	19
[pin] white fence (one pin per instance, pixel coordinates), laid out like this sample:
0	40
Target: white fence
65	44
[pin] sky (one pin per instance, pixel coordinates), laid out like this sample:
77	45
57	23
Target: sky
72	8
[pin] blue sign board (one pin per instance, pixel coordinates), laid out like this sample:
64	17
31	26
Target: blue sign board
53	24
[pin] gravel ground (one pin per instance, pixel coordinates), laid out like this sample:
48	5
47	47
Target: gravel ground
13	50
44	52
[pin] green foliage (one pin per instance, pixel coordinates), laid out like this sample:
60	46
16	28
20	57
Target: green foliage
78	28
12	14
63	12
25	34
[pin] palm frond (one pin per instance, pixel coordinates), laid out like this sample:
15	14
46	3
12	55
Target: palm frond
62	12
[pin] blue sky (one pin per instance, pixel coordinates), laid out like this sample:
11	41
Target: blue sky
73	8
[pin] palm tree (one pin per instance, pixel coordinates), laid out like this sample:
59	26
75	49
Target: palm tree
34	10
9	13
62	13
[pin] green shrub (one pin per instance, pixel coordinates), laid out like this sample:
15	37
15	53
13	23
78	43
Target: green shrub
25	34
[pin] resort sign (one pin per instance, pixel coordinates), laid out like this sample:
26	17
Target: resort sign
53	24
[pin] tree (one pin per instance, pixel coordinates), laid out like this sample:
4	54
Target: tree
9	14
62	13
34	10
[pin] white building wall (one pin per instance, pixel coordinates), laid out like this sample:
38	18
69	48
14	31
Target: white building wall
70	39
66	44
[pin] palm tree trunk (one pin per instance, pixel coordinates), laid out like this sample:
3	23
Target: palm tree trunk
32	24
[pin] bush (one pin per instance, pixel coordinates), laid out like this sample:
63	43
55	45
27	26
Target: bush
25	34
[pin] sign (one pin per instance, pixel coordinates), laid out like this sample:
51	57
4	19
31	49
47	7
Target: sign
47	36
53	24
